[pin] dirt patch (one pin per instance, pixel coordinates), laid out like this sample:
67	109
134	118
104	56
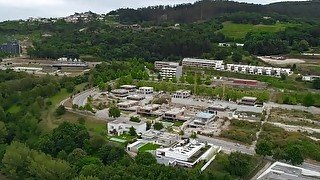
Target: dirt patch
281	61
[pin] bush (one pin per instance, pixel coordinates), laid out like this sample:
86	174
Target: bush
61	110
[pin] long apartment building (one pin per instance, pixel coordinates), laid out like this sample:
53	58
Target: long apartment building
202	63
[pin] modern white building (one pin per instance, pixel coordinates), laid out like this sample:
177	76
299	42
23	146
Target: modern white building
182	94
145	90
175	114
202	119
160	138
257	70
128	105
122	125
164	64
171	72
202	63
310	78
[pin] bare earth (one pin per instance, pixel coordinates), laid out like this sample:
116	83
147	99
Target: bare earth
281	62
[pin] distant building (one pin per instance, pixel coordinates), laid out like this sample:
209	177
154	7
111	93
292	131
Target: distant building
150	109
175	114
128	105
164	64
202	119
11	48
251	101
130	88
258	70
136	97
202	63
122	125
120	92
171	72
182	94
160	138
27	69
310	78
145	90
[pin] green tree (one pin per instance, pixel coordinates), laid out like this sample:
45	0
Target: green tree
132	131
158	126
114	112
239	164
236	56
145	158
303	46
316	83
294	154
3	132
61	110
308	100
264	148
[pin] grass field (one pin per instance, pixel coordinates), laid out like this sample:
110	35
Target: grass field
148	147
239	31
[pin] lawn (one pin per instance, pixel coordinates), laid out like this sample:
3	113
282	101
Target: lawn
14	109
239	31
148	147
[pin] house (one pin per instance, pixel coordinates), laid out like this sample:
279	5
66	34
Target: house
128	105
120	92
182	94
251	101
202	119
122	125
146	90
175	114
136	97
149	109
130	88
161	138
186	153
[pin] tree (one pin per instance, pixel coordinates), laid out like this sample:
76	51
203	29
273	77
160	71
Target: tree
158	126
294	154
236	56
145	158
264	148
316	83
3	132
135	119
61	110
193	135
132	131
308	100
239	164
114	112
303	46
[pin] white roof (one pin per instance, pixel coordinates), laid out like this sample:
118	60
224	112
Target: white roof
202	60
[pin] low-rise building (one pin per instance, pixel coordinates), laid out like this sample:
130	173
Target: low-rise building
136	97
182	94
122	125
202	63
120	92
150	109
202	119
186	153
175	114
161	138
130	88
310	78
128	105
257	70
146	90
251	101
171	72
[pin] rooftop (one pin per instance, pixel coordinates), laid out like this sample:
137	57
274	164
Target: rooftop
201	60
128	86
146	88
125	120
150	106
175	111
125	103
120	91
249	98
204	115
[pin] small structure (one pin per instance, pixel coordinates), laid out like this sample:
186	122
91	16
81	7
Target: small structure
279	170
250	101
202	119
161	138
149	109
182	94
27	69
122	125
175	114
136	97
310	78
221	111
128	105
120	92
146	90
130	88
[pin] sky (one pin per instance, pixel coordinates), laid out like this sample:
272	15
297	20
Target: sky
23	9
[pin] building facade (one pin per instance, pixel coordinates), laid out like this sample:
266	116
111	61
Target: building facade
11	48
122	125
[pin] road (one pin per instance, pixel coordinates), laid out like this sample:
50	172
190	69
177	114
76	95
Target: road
81	98
227	146
313	110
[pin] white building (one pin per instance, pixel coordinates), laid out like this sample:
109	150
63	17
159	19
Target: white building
202	119
258	70
170	72
175	114
128	105
164	64
122	125
160	138
202	63
182	94
27	69
146	90
310	78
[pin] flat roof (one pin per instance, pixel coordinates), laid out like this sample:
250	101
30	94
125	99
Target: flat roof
185	150
249	98
204	115
121	91
146	88
125	120
150	106
128	86
175	111
127	103
201	60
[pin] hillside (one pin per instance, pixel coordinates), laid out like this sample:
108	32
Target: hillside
207	9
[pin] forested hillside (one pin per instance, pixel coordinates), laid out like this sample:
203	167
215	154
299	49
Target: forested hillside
207	9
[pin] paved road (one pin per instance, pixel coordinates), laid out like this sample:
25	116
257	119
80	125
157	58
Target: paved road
81	98
313	110
227	146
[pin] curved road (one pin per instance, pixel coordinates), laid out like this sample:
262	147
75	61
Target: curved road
82	98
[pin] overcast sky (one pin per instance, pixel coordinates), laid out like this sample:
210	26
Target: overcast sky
23	9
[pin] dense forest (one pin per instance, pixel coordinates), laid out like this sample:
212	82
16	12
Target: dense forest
207	9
